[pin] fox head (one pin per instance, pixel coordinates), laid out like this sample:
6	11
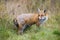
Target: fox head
42	15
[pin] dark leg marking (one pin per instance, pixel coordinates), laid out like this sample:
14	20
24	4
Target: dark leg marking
22	29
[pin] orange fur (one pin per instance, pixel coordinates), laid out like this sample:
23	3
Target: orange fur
28	19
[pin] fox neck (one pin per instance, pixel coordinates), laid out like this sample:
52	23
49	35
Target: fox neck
35	18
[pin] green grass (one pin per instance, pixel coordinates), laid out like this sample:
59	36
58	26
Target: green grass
47	31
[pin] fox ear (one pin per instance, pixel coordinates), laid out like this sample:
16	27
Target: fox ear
45	11
38	10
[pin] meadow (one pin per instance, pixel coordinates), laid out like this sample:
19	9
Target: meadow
47	31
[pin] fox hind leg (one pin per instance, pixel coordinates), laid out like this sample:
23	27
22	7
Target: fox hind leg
20	30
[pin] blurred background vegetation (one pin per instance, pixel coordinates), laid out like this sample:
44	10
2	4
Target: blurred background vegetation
48	31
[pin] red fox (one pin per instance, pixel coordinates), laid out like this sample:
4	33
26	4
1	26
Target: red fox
24	20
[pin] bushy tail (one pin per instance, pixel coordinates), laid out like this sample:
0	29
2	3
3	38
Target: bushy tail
15	23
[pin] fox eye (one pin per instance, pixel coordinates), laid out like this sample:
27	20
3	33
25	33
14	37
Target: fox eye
38	15
42	15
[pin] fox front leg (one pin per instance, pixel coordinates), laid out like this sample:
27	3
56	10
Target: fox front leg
38	24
